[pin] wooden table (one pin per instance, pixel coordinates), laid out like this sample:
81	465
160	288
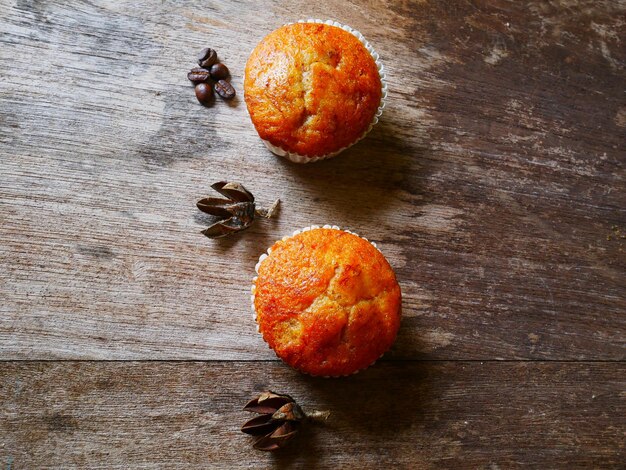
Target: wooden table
494	184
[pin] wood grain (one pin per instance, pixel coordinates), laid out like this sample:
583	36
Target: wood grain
401	415
494	183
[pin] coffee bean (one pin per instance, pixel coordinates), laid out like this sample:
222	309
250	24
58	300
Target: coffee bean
204	93
207	57
198	75
218	71
225	90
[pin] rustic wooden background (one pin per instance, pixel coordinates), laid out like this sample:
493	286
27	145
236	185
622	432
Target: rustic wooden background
495	185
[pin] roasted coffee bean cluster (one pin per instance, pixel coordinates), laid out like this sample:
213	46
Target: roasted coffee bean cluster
210	76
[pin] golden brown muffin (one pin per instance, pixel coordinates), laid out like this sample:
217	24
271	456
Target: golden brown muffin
327	302
311	89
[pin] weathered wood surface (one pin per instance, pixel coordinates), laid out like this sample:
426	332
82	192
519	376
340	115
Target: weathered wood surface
396	415
492	183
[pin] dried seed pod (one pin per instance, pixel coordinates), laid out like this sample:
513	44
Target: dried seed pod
267	403
235	213
276	439
233	191
289	412
279	421
259	425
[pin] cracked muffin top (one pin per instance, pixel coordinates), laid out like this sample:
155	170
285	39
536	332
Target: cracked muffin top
311	89
327	302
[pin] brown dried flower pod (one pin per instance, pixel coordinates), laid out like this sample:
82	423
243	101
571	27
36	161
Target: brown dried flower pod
279	421
234	213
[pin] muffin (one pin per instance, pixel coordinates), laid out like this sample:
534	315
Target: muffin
326	301
313	89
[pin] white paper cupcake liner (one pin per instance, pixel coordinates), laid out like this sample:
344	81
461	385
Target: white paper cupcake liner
297	158
253	292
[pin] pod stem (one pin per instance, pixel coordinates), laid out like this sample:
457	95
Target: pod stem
269	212
318	416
